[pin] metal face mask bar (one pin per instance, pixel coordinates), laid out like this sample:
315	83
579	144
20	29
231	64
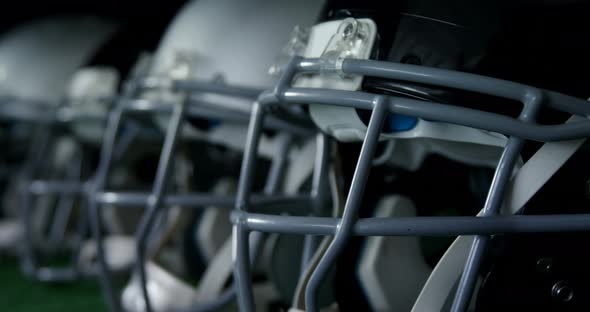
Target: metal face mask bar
159	199
518	129
214	57
49	123
61	123
39	57
68	192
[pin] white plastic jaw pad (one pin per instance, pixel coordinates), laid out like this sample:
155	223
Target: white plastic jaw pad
214	227
119	251
460	143
11	235
392	270
234	136
324	42
327	40
463	144
167	293
332	42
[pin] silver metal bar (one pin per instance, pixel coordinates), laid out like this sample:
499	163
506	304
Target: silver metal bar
61	219
416	226
83	227
438	77
45	187
36	152
94	207
230	293
145	83
66	203
242	276
49	275
519	129
129	134
31	188
199	108
215	87
463	81
491	207
273	181
94	190
161	182
352	206
154	203
199	200
277	169
436	111
493	202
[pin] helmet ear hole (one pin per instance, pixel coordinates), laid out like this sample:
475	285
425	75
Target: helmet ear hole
411	59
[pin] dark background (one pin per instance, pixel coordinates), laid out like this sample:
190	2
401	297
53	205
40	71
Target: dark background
157	12
141	23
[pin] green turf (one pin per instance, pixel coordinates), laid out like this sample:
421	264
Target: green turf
19	294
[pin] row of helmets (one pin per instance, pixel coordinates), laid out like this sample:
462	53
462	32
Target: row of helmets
216	173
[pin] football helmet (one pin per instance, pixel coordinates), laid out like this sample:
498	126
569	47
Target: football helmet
321	156
73	130
411	89
37	60
196	87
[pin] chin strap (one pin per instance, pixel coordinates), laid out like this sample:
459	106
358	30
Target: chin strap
338	199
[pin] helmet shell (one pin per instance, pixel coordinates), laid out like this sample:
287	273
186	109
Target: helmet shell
235	39
38	58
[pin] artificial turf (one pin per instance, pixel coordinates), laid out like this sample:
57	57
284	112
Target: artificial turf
20	294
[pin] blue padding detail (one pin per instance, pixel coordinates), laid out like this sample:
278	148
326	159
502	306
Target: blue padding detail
396	123
213	123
